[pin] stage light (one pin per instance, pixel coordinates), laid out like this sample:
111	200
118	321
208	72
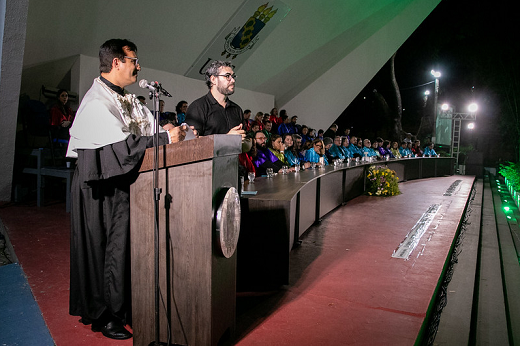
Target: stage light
445	106
436	74
427	92
506	208
471	126
472	108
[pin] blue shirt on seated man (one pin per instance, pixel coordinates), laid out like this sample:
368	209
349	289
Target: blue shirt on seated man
353	147
345	147
336	151
367	148
403	149
316	153
429	151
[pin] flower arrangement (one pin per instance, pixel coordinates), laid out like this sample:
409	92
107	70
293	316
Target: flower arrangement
382	181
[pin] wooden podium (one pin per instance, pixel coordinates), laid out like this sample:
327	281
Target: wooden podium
197	282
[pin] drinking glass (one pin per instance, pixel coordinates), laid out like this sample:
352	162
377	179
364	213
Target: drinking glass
313	165
297	168
269	172
284	170
251	177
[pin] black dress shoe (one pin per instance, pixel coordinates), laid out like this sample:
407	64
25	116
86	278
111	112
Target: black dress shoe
113	329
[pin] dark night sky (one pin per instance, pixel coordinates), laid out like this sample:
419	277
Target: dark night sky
471	43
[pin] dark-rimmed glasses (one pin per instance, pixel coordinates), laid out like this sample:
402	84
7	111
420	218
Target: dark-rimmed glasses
228	76
135	60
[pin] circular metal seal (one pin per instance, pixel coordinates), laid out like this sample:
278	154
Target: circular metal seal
228	222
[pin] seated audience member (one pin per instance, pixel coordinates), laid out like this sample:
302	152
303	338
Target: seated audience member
429	151
346	133
386	149
360	146
246	120
345	147
255	127
305	146
320	134
375	148
416	148
328	142
403	149
285	126
331	132
395	150
367	148
268	125
312	134
304	132
409	146
299	151
274	117
61	116
408	138
353	147
336	150
295	126
259	118
181	109
245	159
316	152
380	147
289	151
166	119
291	155
264	157
277	147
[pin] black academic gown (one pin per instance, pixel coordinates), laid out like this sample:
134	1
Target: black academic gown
100	226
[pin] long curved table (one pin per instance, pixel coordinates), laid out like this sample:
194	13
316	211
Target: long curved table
287	205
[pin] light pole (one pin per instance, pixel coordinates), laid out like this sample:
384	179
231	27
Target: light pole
437	75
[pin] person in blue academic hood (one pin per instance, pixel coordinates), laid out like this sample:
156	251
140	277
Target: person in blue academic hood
317	151
335	150
429	151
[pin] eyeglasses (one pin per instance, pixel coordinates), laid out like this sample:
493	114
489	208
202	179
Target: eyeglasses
318	145
261	138
228	76
135	60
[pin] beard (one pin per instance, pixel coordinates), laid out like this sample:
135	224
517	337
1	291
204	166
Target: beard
225	91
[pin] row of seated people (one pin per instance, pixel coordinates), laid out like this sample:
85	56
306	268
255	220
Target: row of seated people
290	151
272	123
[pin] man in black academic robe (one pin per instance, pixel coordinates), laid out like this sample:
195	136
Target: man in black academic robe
110	134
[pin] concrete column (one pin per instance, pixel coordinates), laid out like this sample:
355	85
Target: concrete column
13	23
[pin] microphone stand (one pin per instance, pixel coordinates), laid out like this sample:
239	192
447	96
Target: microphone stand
155	91
157	197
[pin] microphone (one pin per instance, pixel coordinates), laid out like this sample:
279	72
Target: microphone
153	86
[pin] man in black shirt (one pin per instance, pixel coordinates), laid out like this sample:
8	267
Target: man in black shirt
215	113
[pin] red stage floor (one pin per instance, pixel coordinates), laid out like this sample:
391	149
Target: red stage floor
345	288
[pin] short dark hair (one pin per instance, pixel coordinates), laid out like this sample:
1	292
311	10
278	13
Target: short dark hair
247	111
113	49
213	70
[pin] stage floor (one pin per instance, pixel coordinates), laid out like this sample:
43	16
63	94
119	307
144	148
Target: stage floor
345	286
